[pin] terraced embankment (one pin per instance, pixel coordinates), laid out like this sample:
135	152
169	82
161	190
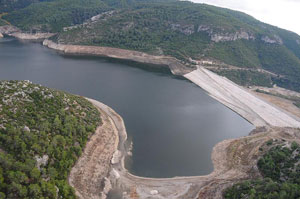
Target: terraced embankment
255	110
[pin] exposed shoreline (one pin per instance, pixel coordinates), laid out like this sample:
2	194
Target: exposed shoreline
176	67
255	110
233	160
13	31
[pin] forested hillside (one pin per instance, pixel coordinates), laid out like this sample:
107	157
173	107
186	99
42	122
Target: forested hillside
180	29
42	133
280	169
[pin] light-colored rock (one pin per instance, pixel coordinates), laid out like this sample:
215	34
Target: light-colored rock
26	128
116	157
222	37
107	186
275	40
153	192
115	174
186	29
204	28
35	36
8	29
41	161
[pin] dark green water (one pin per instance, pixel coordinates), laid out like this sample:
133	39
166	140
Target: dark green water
173	123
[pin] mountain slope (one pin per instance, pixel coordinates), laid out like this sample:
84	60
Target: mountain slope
183	30
186	30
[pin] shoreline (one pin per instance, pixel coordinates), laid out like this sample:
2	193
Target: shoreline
12	31
233	160
175	66
226	169
255	110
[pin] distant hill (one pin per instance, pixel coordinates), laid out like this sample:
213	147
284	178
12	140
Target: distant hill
181	29
42	134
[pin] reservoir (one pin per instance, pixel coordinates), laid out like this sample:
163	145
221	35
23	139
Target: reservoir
172	123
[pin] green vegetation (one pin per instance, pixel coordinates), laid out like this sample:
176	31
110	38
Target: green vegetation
281	175
42	133
184	30
53	16
246	77
176	28
2	23
8	5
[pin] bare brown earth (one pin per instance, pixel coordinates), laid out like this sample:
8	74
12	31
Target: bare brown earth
280	102
175	65
17	33
234	160
87	176
101	166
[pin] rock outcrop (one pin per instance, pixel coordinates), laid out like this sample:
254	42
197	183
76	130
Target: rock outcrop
185	29
275	40
221	37
8	29
29	36
16	32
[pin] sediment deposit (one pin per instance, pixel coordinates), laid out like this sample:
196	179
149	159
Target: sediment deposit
234	160
175	65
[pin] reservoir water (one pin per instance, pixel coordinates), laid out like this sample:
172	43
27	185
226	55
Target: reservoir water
173	123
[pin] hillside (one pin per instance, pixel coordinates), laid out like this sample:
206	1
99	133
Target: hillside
186	30
183	30
280	170
42	133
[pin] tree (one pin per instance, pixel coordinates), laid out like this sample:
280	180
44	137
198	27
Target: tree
35	191
35	174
